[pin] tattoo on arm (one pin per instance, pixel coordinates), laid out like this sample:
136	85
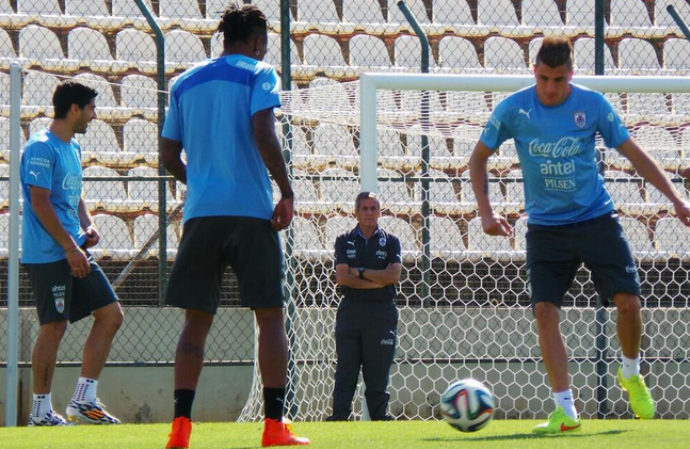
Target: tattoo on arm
486	187
190	349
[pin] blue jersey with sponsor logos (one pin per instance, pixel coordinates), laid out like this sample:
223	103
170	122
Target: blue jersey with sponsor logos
52	164
555	146
210	113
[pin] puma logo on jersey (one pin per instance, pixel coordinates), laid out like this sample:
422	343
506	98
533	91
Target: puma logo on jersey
34	174
351	242
522	111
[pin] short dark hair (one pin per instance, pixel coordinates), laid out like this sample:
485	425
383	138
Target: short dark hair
71	92
240	23
364	196
556	51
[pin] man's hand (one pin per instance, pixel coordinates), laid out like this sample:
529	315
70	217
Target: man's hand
683	211
495	224
78	262
282	214
92	236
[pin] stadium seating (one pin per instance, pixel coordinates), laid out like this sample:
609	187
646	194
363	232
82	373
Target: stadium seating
637	55
103	193
4	185
136	47
504	55
5	234
583	51
116	238
580	13
188	9
91	48
458	53
624	189
673	237
484	245
141	137
274	50
402	228
39	7
416	7
625	13
144	194
306	238
664	19
7	53
341	190
270	8
676	55
362	12
322	51
38	89
408	53
368	51
317	11
446	238
183	49
145	226
520	235
452	12
497	12
541	13
140	93
86	8
128	8
337	225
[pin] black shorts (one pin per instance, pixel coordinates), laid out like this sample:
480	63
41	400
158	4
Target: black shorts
208	245
555	253
60	296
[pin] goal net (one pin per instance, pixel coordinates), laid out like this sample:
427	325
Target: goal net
464	302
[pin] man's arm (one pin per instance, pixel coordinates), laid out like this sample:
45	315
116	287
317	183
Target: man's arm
492	223
651	172
263	124
388	276
346	279
40	203
170	156
92	235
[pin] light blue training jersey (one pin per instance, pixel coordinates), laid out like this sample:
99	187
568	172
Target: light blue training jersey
53	164
555	146
211	109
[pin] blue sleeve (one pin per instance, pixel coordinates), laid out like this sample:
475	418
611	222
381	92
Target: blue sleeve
340	252
496	129
394	250
38	163
172	127
610	126
265	90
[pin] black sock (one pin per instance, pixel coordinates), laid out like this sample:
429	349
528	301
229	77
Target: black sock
274	399
183	403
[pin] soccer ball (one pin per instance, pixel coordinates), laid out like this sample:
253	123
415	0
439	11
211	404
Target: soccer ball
467	405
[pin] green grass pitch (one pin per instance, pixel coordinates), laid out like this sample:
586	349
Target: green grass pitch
596	434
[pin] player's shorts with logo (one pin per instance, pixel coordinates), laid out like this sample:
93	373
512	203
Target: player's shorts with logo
555	253
208	245
60	296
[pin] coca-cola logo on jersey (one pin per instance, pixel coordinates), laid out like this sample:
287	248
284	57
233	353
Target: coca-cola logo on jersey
566	146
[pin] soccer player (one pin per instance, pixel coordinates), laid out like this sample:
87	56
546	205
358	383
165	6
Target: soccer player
221	114
66	281
368	263
571	216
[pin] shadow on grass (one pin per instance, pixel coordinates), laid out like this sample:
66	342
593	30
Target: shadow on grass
526	436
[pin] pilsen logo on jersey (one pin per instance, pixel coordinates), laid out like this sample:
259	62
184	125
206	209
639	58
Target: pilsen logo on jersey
580	119
59	297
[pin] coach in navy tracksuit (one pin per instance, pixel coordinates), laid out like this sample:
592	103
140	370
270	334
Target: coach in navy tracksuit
368	263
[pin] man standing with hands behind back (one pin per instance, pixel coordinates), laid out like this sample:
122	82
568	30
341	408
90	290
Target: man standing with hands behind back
368	264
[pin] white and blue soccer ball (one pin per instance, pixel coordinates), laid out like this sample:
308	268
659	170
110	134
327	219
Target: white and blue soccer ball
467	405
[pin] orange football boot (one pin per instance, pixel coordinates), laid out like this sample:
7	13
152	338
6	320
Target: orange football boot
181	431
279	433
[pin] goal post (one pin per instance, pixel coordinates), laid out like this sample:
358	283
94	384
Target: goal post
464	302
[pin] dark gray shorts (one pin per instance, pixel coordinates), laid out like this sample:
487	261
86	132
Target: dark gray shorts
208	245
60	296
555	253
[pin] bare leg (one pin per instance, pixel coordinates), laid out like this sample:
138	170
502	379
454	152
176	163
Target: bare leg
45	355
273	347
552	346
629	323
189	357
107	321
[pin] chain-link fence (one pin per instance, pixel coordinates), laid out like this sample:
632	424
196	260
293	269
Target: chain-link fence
109	45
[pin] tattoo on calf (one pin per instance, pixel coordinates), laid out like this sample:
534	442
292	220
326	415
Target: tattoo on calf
189	349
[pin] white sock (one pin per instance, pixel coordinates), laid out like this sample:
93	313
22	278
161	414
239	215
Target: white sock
86	390
565	400
630	367
41	406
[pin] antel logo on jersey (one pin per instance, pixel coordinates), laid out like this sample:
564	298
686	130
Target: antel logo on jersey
566	146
